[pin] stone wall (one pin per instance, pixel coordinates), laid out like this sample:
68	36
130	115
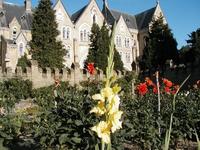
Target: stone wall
42	77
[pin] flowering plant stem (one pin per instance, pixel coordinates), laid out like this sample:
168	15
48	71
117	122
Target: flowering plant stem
168	133
158	87
198	142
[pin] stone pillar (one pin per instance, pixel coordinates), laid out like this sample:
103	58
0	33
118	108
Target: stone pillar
76	74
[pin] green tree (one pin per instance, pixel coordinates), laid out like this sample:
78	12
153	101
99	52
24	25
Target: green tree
99	49
161	45
24	62
95	31
194	44
45	48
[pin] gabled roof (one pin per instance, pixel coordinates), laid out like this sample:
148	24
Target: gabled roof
19	12
144	18
77	14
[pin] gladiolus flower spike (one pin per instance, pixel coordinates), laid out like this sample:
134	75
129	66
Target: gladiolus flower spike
108	102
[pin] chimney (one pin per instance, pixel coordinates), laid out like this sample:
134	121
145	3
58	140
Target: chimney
1	4
28	5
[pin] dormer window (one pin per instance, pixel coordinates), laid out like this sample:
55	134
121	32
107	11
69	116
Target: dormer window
14	33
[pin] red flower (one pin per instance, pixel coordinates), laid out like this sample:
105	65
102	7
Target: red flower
167	83
142	88
149	81
90	68
155	90
175	88
167	90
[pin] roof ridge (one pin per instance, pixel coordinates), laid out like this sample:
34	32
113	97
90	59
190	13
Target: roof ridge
145	11
125	13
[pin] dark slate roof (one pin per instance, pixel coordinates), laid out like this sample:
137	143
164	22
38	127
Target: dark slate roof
77	14
113	15
129	19
144	18
139	21
11	11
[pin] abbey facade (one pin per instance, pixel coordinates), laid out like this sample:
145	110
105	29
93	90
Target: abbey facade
75	29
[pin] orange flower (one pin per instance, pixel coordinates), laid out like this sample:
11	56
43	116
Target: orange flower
167	90
149	81
90	68
167	83
142	88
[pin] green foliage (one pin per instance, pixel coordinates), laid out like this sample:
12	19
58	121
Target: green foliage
194	44
95	31
99	49
45	49
67	124
13	90
160	45
64	121
24	62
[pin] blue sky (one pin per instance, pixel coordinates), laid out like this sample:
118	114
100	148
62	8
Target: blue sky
182	15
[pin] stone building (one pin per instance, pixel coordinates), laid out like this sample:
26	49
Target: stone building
15	31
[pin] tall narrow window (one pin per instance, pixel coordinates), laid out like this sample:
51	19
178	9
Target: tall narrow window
85	35
64	32
21	49
81	35
94	18
68	33
120	41
68	51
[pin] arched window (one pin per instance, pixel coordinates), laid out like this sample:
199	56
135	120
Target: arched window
14	33
21	49
84	35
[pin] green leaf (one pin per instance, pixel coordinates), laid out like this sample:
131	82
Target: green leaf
63	138
96	147
76	140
